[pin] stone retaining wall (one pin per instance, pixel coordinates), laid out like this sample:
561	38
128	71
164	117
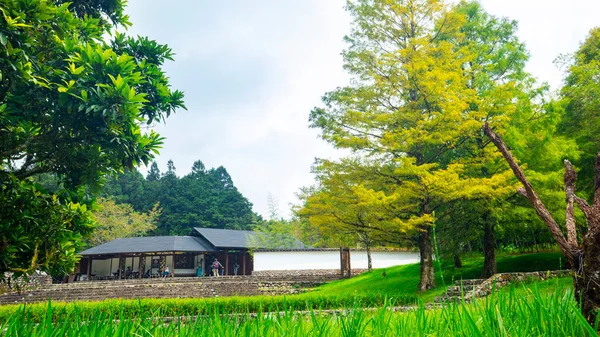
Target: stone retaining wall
34	281
502	280
158	288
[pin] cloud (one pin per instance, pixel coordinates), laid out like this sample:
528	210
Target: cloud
253	70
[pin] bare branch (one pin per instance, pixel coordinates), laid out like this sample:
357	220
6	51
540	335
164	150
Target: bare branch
534	199
587	211
570	177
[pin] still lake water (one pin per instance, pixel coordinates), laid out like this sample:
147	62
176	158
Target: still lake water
297	260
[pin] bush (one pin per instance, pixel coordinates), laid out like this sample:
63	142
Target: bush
37	312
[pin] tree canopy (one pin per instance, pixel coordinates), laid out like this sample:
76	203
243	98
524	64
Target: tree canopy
74	97
202	198
426	75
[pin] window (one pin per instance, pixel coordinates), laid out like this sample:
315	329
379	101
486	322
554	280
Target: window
184	261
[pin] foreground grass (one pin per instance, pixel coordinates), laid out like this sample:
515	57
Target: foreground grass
513	312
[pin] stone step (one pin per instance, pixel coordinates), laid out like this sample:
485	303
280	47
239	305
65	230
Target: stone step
457	290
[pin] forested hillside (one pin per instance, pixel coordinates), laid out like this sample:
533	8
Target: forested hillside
202	198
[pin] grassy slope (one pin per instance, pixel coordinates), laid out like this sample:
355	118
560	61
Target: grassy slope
560	285
403	280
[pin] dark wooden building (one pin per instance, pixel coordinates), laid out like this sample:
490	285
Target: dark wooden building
183	255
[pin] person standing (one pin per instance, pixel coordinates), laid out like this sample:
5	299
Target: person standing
215	267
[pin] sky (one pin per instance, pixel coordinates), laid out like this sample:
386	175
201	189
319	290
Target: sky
252	71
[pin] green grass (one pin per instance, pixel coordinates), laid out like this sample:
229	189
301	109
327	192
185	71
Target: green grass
403	280
551	286
37	312
399	287
510	312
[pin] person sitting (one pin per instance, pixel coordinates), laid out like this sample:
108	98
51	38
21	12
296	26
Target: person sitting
165	272
128	273
147	273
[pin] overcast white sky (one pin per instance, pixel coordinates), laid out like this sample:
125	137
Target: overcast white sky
252	71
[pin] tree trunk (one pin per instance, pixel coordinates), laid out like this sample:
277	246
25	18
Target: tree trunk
489	248
586	278
426	280
365	239
369	260
457	261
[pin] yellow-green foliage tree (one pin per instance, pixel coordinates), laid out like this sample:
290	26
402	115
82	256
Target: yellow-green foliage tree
114	221
345	207
413	104
495	70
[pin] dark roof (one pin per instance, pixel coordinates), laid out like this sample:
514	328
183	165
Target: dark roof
153	244
228	238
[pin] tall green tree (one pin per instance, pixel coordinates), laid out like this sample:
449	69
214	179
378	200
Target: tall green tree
495	70
74	94
581	100
202	198
583	253
417	99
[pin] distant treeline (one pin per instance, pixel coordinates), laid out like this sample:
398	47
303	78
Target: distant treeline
202	198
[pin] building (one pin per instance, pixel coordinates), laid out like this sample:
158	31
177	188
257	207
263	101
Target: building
184	255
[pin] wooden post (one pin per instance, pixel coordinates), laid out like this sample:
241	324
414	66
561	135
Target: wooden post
110	271
226	262
173	266
345	270
141	266
89	268
120	265
244	263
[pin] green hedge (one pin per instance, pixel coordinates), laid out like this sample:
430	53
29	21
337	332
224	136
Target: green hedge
37	312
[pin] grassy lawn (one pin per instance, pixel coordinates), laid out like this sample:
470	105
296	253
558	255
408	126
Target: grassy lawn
403	280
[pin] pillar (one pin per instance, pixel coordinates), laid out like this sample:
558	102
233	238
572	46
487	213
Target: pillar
226	262
141	266
173	265
244	263
89	268
120	266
